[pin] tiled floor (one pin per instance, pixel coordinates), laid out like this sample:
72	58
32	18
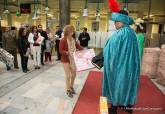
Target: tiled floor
43	94
39	91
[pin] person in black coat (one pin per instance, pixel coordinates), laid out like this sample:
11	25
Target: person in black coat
84	38
23	47
43	45
58	35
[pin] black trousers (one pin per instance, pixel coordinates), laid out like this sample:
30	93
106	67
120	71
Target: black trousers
42	54
47	56
57	49
24	61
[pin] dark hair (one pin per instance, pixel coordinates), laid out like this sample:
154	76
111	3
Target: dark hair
85	28
123	12
138	29
13	28
39	25
20	32
32	30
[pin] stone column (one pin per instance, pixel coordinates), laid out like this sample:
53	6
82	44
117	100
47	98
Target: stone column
9	19
64	6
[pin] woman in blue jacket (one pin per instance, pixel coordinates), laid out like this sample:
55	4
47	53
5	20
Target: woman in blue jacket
23	46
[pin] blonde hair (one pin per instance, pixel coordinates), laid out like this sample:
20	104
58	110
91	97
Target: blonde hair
68	29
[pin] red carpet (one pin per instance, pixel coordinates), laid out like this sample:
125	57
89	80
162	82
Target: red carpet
150	98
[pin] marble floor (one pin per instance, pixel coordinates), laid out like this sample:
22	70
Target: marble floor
39	91
43	94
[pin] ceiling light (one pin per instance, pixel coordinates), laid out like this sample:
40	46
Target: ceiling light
85	12
38	11
97	18
97	14
35	16
50	15
53	18
18	13
6	11
46	8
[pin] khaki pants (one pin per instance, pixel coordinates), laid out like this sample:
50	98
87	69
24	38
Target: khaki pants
70	75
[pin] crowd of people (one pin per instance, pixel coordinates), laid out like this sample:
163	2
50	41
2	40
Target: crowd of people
122	55
34	42
27	43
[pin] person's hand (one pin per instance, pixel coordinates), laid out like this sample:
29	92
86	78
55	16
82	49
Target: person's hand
67	53
56	36
78	42
85	48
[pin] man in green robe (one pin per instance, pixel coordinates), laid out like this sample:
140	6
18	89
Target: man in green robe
140	37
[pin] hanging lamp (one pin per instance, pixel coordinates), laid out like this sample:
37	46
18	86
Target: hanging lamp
35	14
18	13
46	6
38	9
97	15
6	11
125	5
85	10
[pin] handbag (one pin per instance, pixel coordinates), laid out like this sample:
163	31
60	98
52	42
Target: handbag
98	60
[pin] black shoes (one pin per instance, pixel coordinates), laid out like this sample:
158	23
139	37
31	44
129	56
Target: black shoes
72	90
57	59
16	67
8	68
37	67
127	108
69	93
25	71
112	110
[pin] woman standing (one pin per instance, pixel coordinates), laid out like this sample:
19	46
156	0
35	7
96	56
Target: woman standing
9	41
67	47
23	46
35	47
